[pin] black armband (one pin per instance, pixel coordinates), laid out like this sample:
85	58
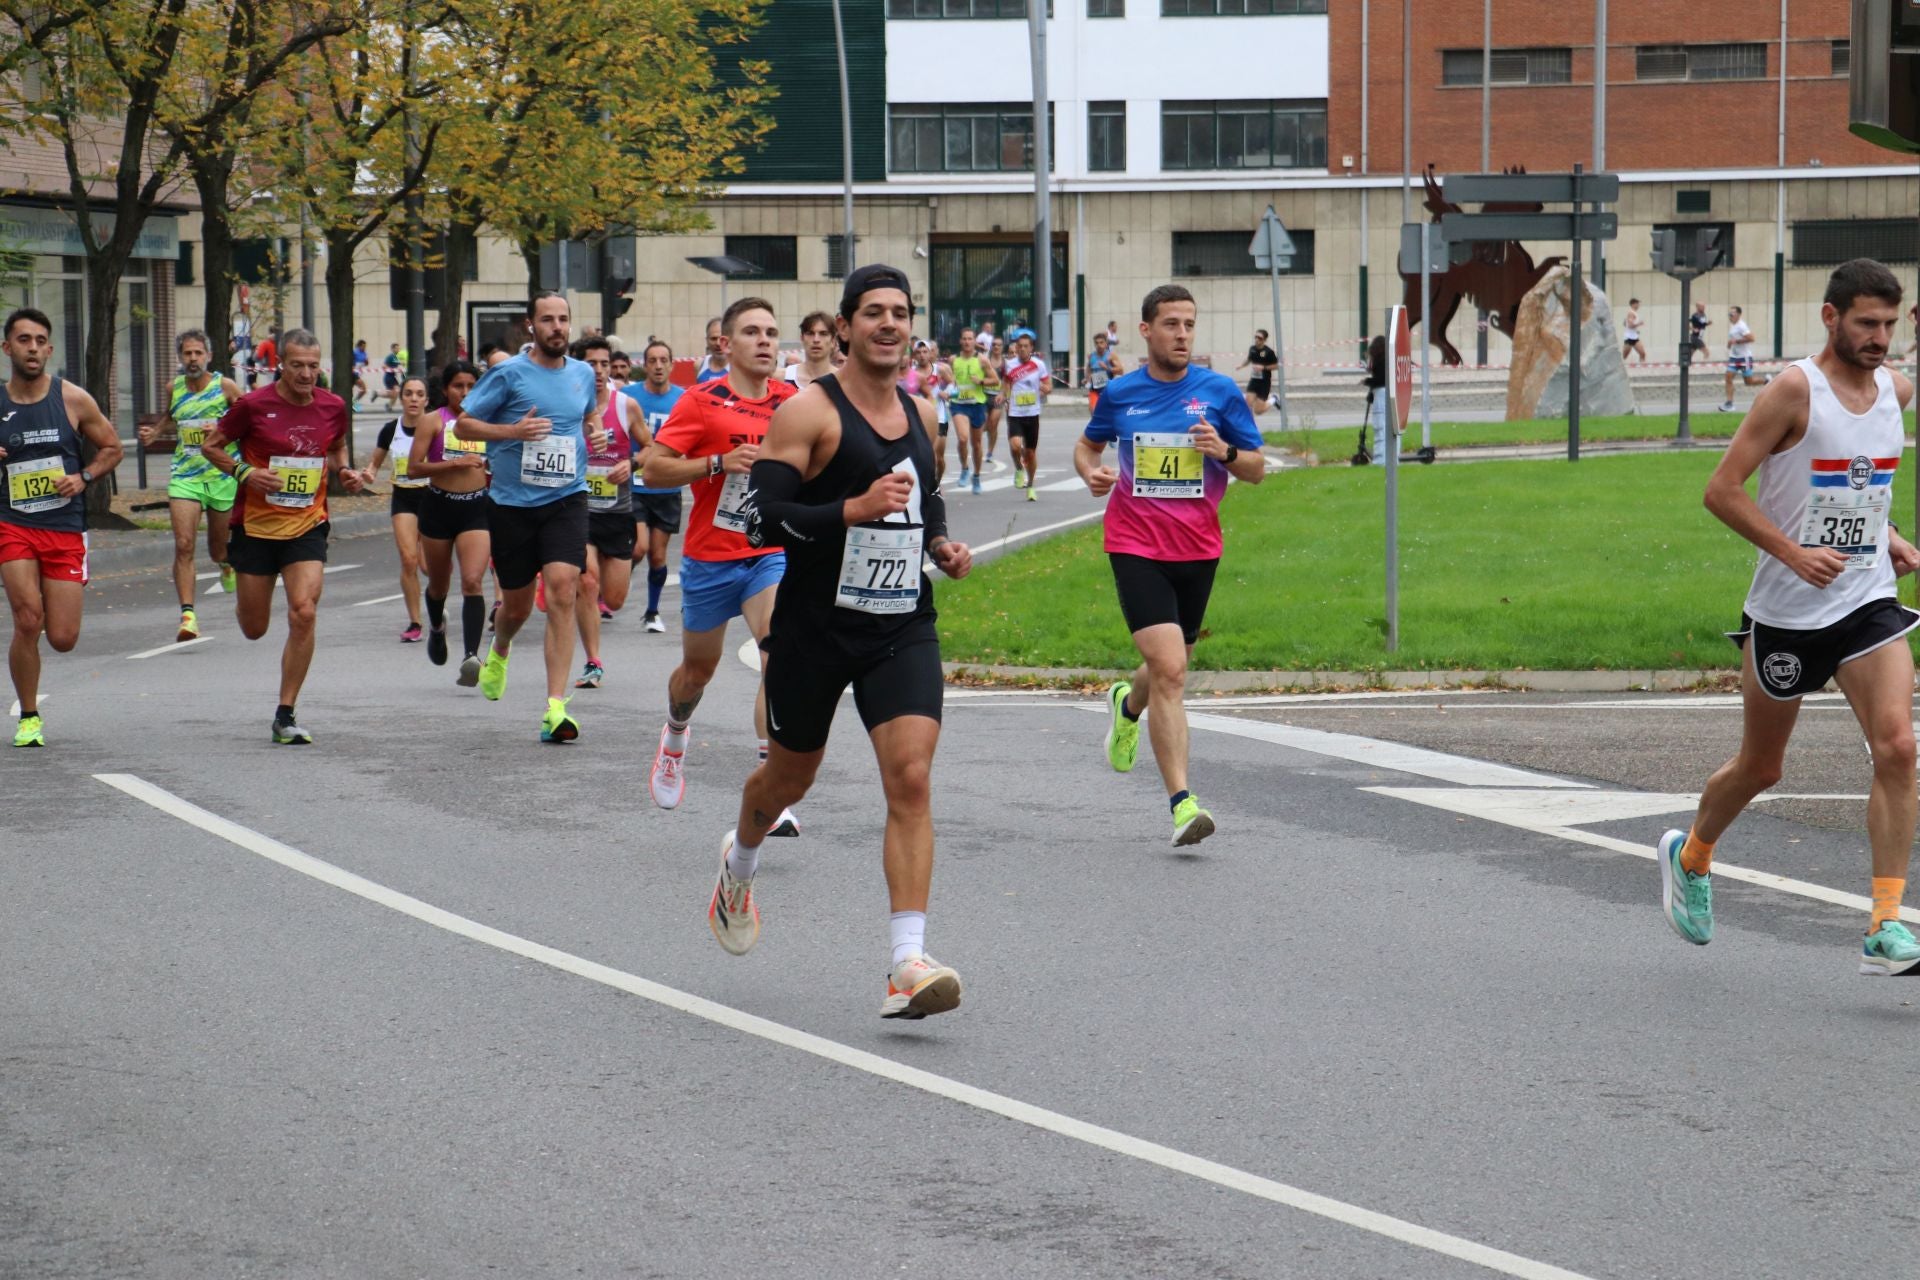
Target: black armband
776	519
933	510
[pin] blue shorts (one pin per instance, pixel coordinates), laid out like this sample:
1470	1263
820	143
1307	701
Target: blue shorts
974	415
712	591
1740	365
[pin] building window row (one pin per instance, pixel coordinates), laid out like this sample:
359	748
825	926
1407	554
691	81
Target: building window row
1830	242
1229	253
1243	134
962	137
1700	62
1651	62
1507	66
998	137
909	9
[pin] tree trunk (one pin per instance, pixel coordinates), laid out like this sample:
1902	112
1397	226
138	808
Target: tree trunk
104	272
340	315
213	178
463	237
530	254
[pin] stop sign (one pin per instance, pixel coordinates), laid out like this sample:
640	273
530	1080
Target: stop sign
1401	343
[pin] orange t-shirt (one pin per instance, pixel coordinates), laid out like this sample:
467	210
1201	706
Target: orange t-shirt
293	439
709	420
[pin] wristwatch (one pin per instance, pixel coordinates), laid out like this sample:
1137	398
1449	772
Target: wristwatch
1233	452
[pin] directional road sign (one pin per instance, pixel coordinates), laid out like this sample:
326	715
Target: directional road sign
1531	188
1531	226
1271	242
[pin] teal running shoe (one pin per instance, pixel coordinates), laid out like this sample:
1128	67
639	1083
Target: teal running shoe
1688	898
1889	951
1123	735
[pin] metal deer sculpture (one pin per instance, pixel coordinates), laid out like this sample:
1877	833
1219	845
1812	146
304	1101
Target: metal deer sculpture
1496	278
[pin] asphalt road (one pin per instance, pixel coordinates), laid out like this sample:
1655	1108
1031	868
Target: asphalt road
431	999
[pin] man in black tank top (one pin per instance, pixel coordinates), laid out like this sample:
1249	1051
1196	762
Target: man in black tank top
845	481
43	522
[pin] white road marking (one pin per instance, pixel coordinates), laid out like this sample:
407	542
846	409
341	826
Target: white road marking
340	568
14	709
1330	698
981	549
873	1064
360	604
202	577
169	648
1383	755
1514	815
749	653
332	568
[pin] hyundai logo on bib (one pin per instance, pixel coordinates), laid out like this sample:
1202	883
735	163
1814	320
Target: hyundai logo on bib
1859	471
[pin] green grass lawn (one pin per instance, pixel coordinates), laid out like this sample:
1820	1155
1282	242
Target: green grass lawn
1336	444
1608	563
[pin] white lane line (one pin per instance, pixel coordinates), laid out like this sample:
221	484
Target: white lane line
982	548
1383	755
340	568
202	577
14	708
217	590
832	1051
1463	802
1331	698
749	653
361	604
169	648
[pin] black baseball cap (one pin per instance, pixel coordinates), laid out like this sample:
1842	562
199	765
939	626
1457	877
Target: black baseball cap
875	275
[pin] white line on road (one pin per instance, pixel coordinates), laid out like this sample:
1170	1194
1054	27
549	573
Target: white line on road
332	568
361	604
1330	698
873	1064
1383	755
14	710
339	568
984	547
169	648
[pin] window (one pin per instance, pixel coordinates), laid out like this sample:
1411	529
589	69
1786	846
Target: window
183	269
1252	134
1693	202
1509	66
1700	62
1106	8
776	256
1237	8
1106	137
837	256
1726	236
961	8
962	137
1227	253
1830	243
1842	57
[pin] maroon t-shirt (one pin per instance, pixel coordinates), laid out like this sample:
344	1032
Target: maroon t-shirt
267	426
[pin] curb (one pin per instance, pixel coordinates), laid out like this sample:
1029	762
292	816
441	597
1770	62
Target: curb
153	549
1625	681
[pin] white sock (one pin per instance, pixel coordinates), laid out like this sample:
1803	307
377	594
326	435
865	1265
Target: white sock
909	929
677	737
743	859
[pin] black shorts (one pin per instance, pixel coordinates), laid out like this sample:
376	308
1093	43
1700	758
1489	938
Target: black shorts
407	501
266	557
445	516
804	683
612	534
1260	388
1027	429
1633	342
1156	592
525	538
1792	664
657	510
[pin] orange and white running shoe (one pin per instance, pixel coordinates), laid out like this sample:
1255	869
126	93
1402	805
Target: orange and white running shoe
667	783
731	912
918	986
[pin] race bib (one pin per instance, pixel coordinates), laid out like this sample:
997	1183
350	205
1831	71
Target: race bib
1026	399
550	463
1167	465
400	461
1852	522
194	432
880	571
729	512
602	492
451	443
301	480
31	484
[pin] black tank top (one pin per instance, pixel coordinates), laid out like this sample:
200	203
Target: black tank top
815	596
41	446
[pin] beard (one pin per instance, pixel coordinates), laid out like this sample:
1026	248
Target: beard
1858	355
552	346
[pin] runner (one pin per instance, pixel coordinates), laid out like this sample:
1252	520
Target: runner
1260	382
973	376
1029	383
1630	332
292	433
409	495
610	532
43	510
1697	330
533	411
816	341
1739	356
938	388
620	370
989	343
197	401
390	376
360	362
1180	431
453	521
845	481
1102	368
714	364
1826	440
657	510
709	443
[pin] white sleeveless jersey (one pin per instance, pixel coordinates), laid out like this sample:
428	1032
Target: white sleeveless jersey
1833	489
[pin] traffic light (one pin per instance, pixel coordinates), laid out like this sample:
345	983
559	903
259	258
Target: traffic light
1707	250
621	306
1884	75
1663	249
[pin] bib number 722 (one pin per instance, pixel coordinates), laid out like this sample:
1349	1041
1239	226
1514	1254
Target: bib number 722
886	575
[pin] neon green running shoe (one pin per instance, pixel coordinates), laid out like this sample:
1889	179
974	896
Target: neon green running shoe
1123	735
1191	823
558	726
30	733
493	675
1889	951
1688	898
227	580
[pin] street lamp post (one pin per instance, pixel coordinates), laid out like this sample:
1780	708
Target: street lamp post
846	143
1042	196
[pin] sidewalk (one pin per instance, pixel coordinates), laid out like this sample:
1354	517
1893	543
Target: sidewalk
1222	682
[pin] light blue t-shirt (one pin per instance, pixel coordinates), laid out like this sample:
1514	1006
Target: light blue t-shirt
655	409
515	388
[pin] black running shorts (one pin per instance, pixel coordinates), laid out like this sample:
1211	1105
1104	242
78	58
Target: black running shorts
804	683
1027	429
612	534
445	516
525	538
266	557
657	510
408	500
1792	664
1156	592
